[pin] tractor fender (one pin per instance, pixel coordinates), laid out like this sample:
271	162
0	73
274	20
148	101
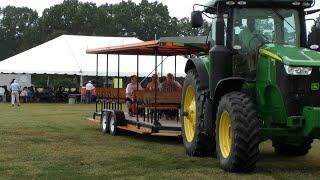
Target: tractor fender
227	85
201	70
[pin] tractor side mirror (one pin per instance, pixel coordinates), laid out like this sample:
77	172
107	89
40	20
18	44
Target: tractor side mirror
314	39
196	19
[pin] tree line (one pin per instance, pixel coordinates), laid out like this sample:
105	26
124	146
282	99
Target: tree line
21	28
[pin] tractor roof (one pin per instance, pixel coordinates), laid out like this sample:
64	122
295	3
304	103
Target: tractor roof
264	3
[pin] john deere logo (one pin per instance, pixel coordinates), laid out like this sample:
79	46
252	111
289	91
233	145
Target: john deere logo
315	86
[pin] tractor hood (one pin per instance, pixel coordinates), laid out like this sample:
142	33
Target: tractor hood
291	55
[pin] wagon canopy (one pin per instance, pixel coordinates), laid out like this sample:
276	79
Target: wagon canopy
167	46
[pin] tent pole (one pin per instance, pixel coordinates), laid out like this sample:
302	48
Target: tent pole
161	66
80	86
156	89
118	81
175	66
97	68
48	81
138	90
107	75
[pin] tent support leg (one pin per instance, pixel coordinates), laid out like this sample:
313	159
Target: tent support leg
118	81
97	69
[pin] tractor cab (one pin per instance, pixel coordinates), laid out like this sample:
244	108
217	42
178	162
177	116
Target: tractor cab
247	26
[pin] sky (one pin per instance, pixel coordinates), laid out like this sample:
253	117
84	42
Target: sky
177	8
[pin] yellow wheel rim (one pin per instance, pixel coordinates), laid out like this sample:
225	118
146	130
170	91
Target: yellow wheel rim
225	134
189	107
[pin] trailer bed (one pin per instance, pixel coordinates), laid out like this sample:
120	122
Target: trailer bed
163	121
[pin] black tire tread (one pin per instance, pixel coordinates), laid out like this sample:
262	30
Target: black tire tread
202	145
245	148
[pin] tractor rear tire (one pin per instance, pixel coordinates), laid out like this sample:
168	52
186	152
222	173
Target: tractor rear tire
286	149
195	141
237	129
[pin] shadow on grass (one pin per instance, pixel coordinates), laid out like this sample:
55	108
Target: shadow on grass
154	139
271	162
140	137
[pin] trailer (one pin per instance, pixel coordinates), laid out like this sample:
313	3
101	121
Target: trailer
150	104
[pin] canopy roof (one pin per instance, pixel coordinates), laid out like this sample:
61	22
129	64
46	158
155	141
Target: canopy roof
64	55
168	46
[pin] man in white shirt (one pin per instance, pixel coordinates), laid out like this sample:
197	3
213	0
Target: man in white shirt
15	87
89	88
131	87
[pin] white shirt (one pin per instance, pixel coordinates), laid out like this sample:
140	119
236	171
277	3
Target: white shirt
130	89
89	86
15	87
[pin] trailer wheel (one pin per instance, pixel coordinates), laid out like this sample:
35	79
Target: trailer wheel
286	149
194	140
105	123
113	125
237	127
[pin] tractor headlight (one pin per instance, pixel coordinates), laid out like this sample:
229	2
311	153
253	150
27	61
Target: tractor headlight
298	70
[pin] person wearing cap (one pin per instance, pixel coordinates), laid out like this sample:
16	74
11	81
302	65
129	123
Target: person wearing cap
14	87
131	87
154	84
89	88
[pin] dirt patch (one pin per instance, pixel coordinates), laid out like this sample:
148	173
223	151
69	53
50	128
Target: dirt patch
17	132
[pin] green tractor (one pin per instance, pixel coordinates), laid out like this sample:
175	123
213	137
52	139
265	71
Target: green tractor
259	81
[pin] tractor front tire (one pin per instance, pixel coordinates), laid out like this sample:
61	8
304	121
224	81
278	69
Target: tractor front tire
286	149
195	141
237	128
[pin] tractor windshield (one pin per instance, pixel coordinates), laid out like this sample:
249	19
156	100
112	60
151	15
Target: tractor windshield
256	26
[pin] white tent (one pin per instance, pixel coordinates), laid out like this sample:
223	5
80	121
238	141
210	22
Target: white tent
67	55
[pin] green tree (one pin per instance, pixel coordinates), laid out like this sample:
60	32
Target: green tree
154	20
184	28
21	28
18	30
70	17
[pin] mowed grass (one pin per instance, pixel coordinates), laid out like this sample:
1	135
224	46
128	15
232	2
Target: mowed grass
55	141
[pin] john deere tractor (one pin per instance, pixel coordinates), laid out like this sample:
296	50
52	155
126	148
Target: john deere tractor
259	81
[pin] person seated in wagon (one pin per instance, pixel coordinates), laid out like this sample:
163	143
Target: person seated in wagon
170	85
131	88
154	84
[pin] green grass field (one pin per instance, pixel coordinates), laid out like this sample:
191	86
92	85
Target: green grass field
55	141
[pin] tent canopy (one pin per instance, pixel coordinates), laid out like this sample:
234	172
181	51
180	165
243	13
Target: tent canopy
62	55
67	55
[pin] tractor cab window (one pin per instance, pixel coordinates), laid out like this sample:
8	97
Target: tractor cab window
290	34
213	29
254	27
